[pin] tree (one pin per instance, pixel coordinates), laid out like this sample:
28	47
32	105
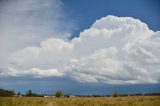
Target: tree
29	93
58	93
18	93
114	94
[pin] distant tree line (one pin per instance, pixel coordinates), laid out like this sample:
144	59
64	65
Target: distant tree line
29	93
6	93
59	93
9	93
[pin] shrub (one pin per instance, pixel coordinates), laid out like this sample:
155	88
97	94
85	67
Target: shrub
58	93
114	94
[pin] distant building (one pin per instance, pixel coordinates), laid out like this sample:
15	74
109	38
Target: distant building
17	95
46	96
70	96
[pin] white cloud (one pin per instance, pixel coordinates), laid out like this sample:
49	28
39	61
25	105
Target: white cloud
115	50
34	72
25	23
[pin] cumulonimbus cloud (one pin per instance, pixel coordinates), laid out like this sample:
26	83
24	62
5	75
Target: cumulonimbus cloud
114	50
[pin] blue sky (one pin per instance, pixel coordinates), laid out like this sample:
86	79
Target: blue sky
67	45
87	11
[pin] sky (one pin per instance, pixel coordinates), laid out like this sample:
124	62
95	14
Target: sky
85	47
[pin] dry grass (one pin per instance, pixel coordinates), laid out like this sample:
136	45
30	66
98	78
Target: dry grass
81	101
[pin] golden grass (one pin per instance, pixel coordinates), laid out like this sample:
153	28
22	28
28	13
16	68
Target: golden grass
81	101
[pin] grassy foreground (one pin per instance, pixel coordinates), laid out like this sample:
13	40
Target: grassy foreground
81	101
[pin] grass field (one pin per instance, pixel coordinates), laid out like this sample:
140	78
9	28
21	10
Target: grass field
81	101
